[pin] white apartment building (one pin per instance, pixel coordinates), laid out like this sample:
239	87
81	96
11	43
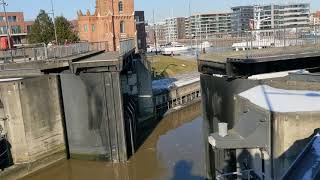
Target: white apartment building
205	25
175	28
283	16
241	17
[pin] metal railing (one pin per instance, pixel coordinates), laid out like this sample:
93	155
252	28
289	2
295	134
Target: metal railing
245	174
126	46
43	52
265	42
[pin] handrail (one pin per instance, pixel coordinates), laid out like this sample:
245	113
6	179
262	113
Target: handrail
126	45
35	52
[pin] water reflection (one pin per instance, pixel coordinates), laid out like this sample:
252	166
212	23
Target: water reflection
174	151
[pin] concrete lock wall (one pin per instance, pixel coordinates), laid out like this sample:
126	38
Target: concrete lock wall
182	91
219	106
292	133
145	101
289	132
34	124
94	116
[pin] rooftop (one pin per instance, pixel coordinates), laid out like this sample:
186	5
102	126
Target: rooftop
212	13
282	100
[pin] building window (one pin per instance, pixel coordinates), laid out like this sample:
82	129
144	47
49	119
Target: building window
120	6
122	27
12	18
85	28
3	30
137	19
2	18
29	29
16	29
93	28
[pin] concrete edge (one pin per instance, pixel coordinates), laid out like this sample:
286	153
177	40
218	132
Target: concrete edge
19	171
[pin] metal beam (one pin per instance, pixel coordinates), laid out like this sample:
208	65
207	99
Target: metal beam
235	68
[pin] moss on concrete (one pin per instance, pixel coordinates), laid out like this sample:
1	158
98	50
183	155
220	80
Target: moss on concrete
88	157
22	170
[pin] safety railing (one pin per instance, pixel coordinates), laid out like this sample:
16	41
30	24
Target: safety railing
126	46
50	52
245	174
264	42
43	52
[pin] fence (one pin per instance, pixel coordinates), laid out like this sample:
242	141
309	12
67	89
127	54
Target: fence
126	46
246	174
265	42
43	52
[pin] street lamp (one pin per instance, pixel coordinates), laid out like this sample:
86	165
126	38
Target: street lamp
4	4
54	22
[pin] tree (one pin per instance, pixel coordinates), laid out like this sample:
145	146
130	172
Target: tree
42	31
65	30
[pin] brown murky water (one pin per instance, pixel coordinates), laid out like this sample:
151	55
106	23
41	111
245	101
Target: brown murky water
174	151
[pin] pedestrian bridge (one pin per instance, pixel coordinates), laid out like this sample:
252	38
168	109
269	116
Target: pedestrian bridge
34	60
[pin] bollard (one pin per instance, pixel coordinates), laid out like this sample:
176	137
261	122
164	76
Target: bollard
223	129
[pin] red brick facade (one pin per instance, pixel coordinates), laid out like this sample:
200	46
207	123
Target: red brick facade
18	27
104	25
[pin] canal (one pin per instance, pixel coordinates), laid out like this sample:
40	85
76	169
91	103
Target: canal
174	150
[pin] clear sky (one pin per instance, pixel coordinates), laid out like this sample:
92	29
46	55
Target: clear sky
162	8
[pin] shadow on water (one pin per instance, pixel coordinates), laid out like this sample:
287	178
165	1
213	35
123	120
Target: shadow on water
183	170
146	128
172	150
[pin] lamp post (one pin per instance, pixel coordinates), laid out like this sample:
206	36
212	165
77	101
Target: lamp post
4	4
54	22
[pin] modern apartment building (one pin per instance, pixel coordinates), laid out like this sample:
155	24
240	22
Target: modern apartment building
175	29
270	16
241	17
150	33
204	25
112	21
157	30
283	16
18	27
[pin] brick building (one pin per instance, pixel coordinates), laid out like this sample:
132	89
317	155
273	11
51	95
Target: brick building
112	21
19	28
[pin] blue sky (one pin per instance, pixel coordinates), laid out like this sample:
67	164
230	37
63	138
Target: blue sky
162	8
